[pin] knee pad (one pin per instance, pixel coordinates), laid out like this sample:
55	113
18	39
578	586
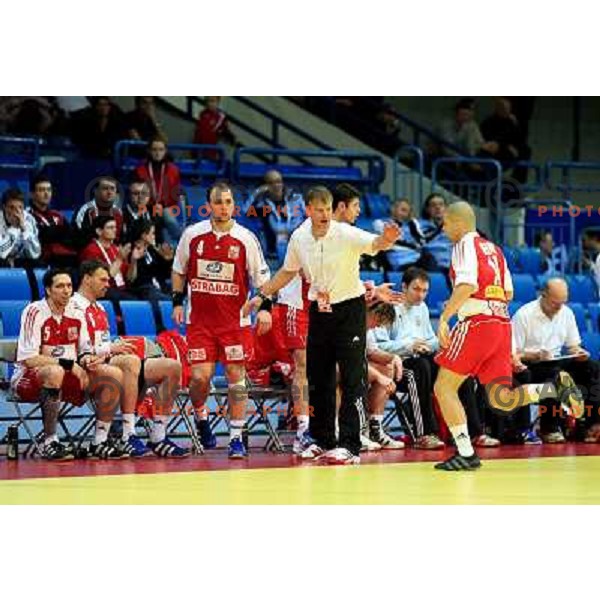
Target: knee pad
238	385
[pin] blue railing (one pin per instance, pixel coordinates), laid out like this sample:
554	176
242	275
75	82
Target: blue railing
276	125
371	175
19	153
568	170
197	166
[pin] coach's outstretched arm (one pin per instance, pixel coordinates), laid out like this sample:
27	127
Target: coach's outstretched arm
460	294
269	289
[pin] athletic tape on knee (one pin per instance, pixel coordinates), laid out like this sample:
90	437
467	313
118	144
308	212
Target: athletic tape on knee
239	385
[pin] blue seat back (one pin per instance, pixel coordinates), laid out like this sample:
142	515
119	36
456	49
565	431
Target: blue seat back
14	285
524	285
10	316
112	317
138	318
579	312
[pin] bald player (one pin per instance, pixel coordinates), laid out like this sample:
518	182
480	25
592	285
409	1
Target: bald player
480	344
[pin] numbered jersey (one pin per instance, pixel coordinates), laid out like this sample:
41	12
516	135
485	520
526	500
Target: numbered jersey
96	321
220	268
46	334
479	262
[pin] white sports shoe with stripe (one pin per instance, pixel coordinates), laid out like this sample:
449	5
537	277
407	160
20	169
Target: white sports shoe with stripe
340	456
368	444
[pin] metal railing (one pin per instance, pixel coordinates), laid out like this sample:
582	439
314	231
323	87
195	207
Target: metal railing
19	153
404	176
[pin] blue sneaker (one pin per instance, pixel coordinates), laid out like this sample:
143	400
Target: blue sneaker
531	438
168	449
133	447
237	448
207	438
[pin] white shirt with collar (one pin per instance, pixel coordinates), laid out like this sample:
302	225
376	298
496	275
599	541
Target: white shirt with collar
533	330
330	263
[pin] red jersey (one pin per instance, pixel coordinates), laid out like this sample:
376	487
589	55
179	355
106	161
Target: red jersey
96	251
220	268
46	334
54	233
164	181
96	321
479	262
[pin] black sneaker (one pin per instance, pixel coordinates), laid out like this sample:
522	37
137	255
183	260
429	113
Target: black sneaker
56	451
105	451
460	463
207	438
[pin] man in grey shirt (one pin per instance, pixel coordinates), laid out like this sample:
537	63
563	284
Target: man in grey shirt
19	242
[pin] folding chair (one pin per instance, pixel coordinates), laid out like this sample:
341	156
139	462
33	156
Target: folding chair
399	412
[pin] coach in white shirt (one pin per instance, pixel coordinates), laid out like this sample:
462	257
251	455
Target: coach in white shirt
328	253
540	330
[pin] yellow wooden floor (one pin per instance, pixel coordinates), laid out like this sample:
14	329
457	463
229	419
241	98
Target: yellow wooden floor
564	480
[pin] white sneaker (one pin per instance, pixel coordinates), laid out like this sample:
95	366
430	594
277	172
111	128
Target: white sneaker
368	445
386	442
311	453
302	443
341	456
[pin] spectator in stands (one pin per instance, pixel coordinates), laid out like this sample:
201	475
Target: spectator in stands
138	210
104	249
407	251
19	242
53	229
151	265
142	123
212	127
437	249
279	210
34	115
462	131
554	258
503	128
103	205
164	179
541	329
96	130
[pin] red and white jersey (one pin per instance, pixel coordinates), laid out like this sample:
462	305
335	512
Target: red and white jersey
221	268
46	334
295	294
96	321
479	262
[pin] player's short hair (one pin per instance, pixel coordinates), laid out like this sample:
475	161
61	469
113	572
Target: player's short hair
413	273
383	312
39	178
319	193
50	274
424	212
218	186
89	267
13	193
100	222
344	192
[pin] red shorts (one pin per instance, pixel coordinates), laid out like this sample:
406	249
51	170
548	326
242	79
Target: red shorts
28	388
480	347
293	326
229	347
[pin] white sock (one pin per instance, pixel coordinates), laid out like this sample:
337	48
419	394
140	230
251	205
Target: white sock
159	429
460	433
235	429
302	425
376	419
128	425
101	433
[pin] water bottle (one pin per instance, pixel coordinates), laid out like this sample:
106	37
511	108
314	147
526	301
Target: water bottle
12	442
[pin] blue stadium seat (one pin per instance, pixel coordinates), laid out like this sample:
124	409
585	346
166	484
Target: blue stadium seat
591	342
138	318
112	317
530	261
511	256
524	285
375	276
365	223
166	311
439	291
594	310
14	285
395	277
10	316
39	276
378	205
513	307
579	313
582	289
